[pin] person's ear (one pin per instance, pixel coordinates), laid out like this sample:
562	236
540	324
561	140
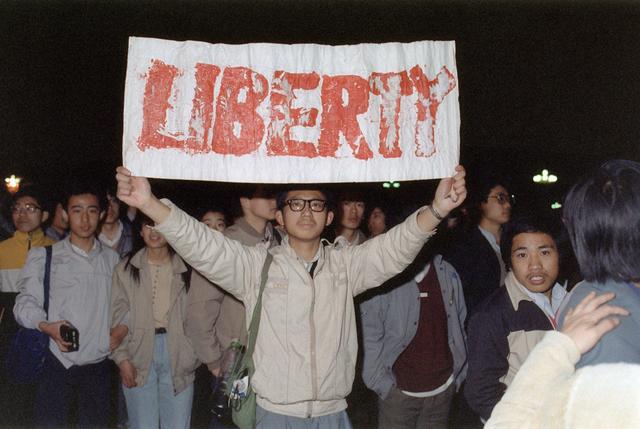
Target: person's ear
45	216
329	218
65	216
280	218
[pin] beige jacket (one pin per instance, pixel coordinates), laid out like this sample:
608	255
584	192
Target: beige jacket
306	347
132	301
548	393
215	317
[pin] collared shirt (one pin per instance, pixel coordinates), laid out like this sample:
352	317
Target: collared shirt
112	242
558	292
496	247
53	234
80	292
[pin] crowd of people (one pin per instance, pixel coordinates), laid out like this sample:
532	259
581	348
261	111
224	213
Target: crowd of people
457	307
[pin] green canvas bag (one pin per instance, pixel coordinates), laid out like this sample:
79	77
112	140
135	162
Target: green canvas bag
242	398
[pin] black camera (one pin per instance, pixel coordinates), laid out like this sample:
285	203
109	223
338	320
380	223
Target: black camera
70	334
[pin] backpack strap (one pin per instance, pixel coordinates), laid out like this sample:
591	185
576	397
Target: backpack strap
255	317
47	278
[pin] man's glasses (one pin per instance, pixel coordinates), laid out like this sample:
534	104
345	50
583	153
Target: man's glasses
27	208
298	204
502	198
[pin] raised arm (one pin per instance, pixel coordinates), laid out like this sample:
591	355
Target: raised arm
382	257
225	262
451	192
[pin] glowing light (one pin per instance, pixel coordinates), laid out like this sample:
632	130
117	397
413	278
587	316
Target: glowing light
12	183
545	178
391	184
556	205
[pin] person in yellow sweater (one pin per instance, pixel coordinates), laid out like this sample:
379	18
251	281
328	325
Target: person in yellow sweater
29	210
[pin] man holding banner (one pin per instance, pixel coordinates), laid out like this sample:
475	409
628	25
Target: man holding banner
266	113
307	344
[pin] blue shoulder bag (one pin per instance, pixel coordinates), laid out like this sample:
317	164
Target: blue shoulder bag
25	360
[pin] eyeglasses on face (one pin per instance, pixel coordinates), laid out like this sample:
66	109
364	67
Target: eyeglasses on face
502	198
27	208
298	204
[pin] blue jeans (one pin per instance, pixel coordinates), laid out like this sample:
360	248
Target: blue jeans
156	401
267	420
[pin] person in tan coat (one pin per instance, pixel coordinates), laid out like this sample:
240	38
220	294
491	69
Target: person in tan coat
306	347
156	360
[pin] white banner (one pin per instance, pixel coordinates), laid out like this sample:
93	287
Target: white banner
268	113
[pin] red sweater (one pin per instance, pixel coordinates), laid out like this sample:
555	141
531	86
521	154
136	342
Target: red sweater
426	363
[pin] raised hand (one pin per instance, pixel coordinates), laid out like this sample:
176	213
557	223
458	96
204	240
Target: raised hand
451	192
588	321
135	191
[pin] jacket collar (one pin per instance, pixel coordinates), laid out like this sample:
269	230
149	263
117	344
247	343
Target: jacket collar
140	259
248	229
287	249
35	236
514	290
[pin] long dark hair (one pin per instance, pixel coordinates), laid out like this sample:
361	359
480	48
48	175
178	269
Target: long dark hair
138	244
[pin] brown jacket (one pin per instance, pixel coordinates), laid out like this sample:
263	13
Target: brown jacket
215	317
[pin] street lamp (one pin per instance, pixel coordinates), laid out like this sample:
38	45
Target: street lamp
545	178
391	185
12	183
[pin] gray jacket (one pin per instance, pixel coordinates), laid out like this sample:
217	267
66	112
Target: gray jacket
80	293
390	321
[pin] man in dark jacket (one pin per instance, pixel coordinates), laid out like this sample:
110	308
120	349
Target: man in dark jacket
514	318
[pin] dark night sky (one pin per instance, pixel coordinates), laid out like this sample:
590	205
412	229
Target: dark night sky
550	84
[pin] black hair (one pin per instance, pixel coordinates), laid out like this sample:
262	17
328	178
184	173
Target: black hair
250	191
602	215
212	209
35	192
328	196
79	188
479	189
522	225
391	218
351	194
347	194
138	244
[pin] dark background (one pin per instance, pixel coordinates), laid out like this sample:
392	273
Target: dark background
542	84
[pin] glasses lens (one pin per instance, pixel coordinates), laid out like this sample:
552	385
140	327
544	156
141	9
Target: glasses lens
296	205
317	205
29	208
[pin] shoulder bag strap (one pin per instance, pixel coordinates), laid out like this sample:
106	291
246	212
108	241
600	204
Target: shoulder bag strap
255	317
47	275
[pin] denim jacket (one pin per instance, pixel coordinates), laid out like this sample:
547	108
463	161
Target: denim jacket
390	321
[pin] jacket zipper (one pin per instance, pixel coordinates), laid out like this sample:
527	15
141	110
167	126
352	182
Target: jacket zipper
314	369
